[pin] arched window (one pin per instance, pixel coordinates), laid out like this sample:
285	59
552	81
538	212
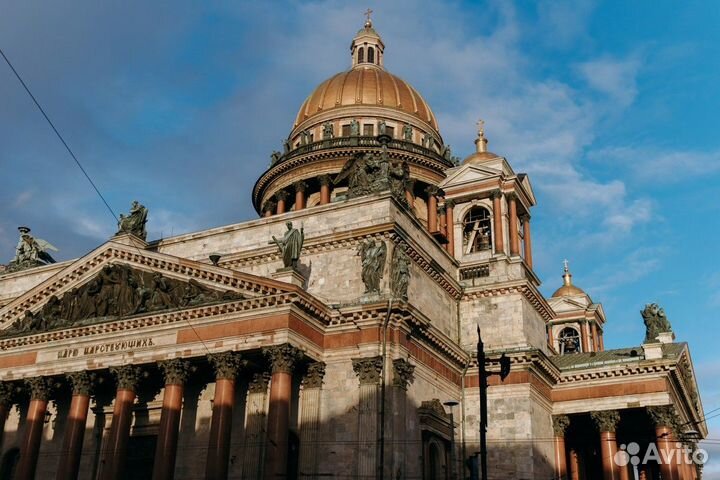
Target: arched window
361	55
371	55
569	341
476	230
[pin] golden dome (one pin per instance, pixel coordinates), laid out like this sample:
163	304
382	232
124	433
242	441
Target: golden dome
568	289
366	85
480	157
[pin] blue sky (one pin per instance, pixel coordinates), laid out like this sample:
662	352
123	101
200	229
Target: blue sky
610	107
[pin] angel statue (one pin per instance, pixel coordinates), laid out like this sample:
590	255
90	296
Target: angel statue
31	252
372	255
290	245
135	222
655	322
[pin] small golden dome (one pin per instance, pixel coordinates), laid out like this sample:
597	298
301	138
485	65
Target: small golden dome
481	154
568	289
480	157
366	85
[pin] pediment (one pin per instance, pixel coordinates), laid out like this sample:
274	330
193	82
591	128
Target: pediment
567	304
468	174
117	280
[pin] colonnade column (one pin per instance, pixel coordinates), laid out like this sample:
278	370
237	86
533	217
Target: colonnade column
69	464
442	219
606	422
450	218
175	372
281	197
527	241
282	360
6	402
664	417
410	193
396	419
324	189
560	425
574	465
585	336
30	442
269	208
227	365
300	188
497	222
256	412
431	191
310	418
514	236
368	371
128	378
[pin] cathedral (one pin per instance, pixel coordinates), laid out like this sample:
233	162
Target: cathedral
336	334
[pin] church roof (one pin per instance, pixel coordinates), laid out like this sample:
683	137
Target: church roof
586	360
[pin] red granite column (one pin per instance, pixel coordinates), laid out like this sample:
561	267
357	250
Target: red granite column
128	377
498	223
269	208
449	215
69	463
300	188
585	334
281	197
442	220
30	441
514	235
606	422
227	365
595	344
664	417
282	359
6	403
324	189
574	465
432	219
175	372
560	425
409	193
527	241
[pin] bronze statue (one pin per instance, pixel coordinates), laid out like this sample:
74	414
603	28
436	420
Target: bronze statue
354	128
30	252
328	132
286	145
275	157
400	277
428	140
372	255
382	127
407	132
290	245
304	137
655	322
134	223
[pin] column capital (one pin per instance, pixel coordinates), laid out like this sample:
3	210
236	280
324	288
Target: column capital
441	209
403	373
433	190
512	196
128	377
325	179
175	371
606	420
525	217
560	424
82	382
270	206
450	203
663	415
314	376
283	357
7	393
368	369
259	383
300	186
496	194
282	195
40	388
227	364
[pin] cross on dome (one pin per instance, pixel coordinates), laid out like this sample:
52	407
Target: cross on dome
368	21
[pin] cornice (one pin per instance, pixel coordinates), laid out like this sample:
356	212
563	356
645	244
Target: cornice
523	287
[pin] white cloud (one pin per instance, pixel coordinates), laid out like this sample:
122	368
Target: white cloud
660	165
616	78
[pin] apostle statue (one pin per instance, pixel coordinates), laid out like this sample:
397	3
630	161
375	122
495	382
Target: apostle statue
30	252
372	255
290	245
407	132
354	128
275	157
328	131
655	322
400	277
382	127
134	223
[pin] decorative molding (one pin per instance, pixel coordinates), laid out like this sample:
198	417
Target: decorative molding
314	376
128	377
560	424
175	371
403	373
82	382
283	357
226	364
368	369
606	420
259	383
40	388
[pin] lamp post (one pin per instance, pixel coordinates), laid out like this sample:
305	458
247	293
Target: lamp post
452	404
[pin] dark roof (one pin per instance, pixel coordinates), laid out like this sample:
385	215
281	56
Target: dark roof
620	356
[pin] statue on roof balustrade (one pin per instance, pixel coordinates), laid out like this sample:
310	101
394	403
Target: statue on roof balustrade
290	245
655	322
134	223
30	252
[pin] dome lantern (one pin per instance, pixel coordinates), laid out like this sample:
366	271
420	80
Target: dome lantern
367	48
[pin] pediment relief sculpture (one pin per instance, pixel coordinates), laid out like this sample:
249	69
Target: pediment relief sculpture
117	291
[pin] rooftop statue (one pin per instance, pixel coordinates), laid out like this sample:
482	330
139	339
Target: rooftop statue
30	252
372	255
290	245
328	131
382	127
354	128
275	157
134	223
407	132
655	322
368	173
